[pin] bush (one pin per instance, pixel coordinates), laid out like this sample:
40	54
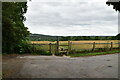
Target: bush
24	47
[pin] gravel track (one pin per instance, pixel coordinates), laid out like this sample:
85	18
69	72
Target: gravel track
102	66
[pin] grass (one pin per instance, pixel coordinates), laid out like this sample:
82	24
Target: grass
80	46
81	41
78	49
93	53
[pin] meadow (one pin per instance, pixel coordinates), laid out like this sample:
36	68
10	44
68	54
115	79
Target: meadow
77	45
82	41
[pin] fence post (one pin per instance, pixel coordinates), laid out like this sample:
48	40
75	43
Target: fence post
50	47
93	46
55	49
118	44
33	48
111	46
69	47
57	45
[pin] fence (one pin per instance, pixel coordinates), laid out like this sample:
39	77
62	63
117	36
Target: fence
59	47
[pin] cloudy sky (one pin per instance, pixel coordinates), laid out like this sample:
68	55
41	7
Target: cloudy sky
71	18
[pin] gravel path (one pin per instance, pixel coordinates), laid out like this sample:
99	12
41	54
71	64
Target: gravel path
103	66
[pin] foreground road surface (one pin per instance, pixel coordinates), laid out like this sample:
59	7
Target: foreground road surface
104	66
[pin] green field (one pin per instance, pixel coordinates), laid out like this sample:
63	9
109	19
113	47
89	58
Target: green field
77	45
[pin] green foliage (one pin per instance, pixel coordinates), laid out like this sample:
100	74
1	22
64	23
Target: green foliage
36	51
77	38
23	47
65	38
13	30
41	37
116	5
118	37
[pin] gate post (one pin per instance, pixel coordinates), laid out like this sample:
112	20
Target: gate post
111	46
93	46
57	45
118	44
50	47
69	47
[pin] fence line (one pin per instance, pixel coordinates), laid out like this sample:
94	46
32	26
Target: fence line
72	44
91	43
57	44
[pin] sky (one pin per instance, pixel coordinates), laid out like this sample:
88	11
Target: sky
71	18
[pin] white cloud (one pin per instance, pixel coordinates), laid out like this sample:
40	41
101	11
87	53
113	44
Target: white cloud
71	17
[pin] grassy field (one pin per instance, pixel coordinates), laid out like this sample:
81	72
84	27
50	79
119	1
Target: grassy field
76	45
78	48
82	41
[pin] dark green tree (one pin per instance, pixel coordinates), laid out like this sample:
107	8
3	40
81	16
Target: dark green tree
118	36
13	30
116	5
65	38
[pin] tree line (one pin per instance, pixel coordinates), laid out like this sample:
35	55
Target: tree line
77	38
41	37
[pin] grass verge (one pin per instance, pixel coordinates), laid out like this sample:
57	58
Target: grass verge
93	53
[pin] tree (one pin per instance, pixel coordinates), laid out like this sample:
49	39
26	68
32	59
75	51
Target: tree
65	38
118	36
116	5
13	30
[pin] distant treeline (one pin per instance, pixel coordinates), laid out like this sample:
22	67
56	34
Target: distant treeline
40	37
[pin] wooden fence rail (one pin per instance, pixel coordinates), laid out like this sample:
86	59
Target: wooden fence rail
57	45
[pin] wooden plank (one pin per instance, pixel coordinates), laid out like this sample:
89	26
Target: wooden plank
75	44
91	43
63	45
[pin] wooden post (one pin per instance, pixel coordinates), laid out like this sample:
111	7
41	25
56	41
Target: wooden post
55	49
119	44
57	45
33	48
68	47
93	46
111	46
50	48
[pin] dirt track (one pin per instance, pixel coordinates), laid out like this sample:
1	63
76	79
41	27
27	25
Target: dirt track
104	66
